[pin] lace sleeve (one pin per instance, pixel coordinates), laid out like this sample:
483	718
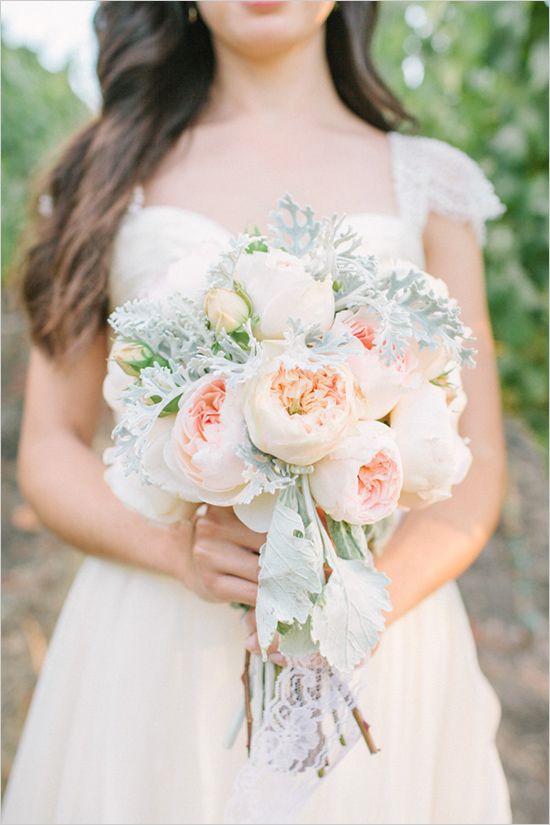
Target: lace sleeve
430	175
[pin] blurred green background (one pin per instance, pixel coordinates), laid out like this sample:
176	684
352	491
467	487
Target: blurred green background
483	68
474	73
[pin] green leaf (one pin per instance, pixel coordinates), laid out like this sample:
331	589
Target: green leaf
256	246
297	641
349	539
241	337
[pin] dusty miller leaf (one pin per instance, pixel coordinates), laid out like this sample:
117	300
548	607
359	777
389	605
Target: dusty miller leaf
297	641
291	572
347	619
294	227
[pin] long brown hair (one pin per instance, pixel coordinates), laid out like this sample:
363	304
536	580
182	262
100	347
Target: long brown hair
155	67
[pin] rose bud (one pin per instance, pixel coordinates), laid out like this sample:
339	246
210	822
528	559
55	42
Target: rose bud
225	309
132	357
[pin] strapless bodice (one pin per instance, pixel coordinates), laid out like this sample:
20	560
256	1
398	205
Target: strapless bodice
152	238
428	175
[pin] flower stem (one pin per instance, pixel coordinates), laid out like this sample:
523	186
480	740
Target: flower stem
365	730
247	703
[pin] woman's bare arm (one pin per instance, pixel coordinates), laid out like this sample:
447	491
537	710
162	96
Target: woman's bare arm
435	545
62	478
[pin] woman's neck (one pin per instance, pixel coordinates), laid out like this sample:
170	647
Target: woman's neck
294	84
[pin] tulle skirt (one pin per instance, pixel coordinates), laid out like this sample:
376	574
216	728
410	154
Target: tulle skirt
142	683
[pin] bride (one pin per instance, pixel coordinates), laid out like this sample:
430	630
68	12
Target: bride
211	112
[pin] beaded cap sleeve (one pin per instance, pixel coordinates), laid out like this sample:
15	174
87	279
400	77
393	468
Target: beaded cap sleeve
431	175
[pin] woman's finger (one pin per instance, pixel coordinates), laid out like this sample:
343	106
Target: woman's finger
234	530
228	559
233	589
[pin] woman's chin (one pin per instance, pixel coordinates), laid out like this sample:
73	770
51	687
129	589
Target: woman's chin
263	28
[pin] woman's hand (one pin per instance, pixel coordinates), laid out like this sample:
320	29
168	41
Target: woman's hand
224	558
224	567
253	645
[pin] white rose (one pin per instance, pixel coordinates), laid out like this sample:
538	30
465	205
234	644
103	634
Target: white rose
225	309
360	480
280	289
299	414
157	501
434	455
188	273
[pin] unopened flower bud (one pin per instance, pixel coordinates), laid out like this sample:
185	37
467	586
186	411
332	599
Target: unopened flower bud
225	309
133	357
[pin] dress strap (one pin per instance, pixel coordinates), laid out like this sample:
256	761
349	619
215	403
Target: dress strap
431	175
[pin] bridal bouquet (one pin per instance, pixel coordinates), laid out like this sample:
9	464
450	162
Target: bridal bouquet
315	390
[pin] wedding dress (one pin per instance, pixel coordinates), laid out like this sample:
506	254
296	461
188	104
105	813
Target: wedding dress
141	682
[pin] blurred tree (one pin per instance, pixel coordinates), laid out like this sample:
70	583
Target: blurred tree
476	75
39	110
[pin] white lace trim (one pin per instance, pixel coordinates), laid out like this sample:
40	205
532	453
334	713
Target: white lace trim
430	175
305	729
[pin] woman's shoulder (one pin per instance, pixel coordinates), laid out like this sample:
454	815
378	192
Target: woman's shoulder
433	175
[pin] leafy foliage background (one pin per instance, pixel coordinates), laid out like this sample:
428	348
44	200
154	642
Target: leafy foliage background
483	68
39	110
485	90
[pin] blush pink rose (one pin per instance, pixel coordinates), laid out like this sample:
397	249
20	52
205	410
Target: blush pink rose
360	481
206	433
381	385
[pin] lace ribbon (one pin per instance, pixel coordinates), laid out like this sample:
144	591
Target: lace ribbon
306	729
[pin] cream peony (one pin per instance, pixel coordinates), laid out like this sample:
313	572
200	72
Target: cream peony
360	480
299	414
280	289
201	451
435	457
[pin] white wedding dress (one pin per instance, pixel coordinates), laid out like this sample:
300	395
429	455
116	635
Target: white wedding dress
141	682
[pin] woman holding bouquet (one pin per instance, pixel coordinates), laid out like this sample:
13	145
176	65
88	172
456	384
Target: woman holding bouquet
211	111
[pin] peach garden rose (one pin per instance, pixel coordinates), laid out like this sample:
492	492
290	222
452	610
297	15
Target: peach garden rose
360	480
206	433
381	384
298	414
